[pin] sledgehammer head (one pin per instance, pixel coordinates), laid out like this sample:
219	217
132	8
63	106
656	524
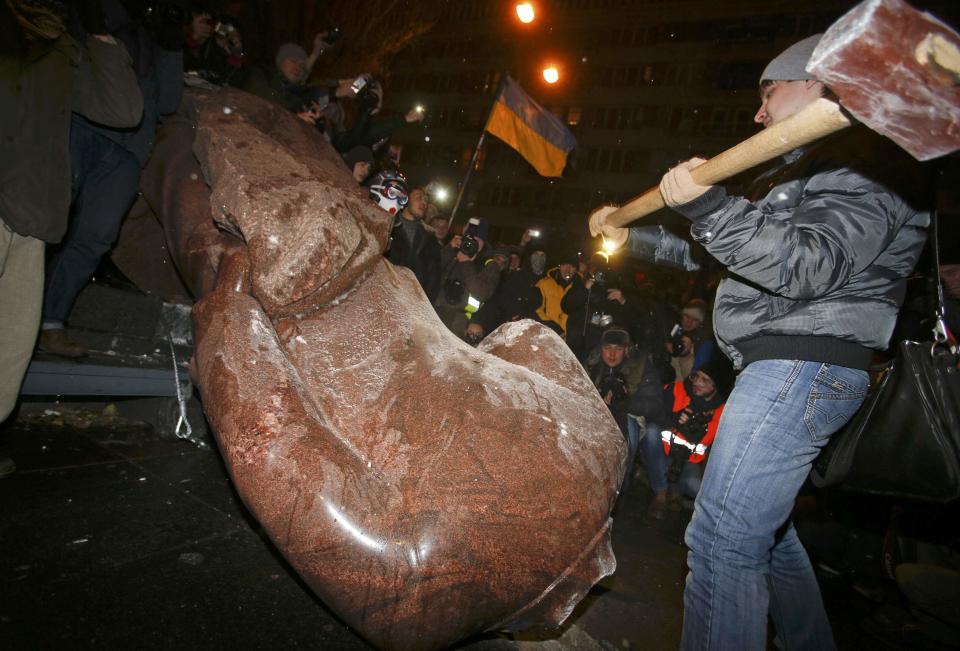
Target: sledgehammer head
897	70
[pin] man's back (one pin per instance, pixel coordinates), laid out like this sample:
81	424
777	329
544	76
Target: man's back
821	256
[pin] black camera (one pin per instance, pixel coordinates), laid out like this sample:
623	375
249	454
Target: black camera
473	338
616	384
678	347
312	97
469	246
601	319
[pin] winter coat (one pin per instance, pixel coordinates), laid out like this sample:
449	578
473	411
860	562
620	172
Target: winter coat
421	256
581	304
159	74
460	282
41	83
642	384
269	83
516	298
818	252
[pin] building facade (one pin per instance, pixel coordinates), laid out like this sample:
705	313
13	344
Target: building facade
644	84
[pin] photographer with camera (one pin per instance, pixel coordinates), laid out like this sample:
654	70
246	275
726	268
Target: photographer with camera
285	83
628	383
465	282
594	301
674	449
689	344
366	127
214	48
517	297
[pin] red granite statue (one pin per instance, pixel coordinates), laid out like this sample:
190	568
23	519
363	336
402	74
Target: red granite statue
426	490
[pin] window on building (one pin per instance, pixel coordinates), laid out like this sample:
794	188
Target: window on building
603	160
635	160
616	160
574	113
598	116
590	161
648	74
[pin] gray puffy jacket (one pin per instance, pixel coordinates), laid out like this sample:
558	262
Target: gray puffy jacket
818	256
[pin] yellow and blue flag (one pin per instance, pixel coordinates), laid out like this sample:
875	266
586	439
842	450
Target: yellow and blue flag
537	134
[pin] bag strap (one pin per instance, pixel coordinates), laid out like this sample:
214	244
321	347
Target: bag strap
940	337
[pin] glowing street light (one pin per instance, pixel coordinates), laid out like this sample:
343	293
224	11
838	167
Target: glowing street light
551	75
441	194
525	12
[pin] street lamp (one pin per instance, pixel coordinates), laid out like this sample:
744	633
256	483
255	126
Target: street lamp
525	12
551	75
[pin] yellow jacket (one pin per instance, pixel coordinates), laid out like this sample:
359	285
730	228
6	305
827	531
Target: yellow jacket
553	292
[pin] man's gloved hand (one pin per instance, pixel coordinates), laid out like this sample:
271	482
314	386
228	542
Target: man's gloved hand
677	187
614	237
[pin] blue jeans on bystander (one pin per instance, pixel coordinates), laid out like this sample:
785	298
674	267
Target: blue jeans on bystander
745	558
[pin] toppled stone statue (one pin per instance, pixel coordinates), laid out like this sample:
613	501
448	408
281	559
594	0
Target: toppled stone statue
424	489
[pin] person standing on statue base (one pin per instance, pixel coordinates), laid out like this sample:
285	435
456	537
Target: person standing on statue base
817	253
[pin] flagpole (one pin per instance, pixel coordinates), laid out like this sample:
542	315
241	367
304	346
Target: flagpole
466	179
476	153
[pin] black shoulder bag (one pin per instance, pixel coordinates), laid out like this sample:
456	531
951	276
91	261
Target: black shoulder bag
905	440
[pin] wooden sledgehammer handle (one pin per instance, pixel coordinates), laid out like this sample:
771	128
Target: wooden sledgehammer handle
817	120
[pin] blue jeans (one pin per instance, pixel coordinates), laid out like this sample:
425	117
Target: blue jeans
658	465
745	558
105	178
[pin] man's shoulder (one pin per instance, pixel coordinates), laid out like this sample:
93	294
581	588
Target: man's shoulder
859	158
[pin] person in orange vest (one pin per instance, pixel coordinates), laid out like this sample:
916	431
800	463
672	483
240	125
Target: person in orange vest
675	451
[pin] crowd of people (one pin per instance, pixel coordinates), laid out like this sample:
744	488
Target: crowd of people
651	357
91	81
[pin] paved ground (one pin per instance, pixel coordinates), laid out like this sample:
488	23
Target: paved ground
112	537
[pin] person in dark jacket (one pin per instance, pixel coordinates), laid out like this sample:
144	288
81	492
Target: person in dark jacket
214	49
414	247
466	282
517	297
593	302
44	75
106	164
818	254
285	83
628	383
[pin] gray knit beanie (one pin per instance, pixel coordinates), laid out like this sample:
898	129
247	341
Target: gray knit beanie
290	51
791	64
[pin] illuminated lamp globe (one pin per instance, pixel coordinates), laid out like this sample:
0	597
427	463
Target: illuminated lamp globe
525	12
551	75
